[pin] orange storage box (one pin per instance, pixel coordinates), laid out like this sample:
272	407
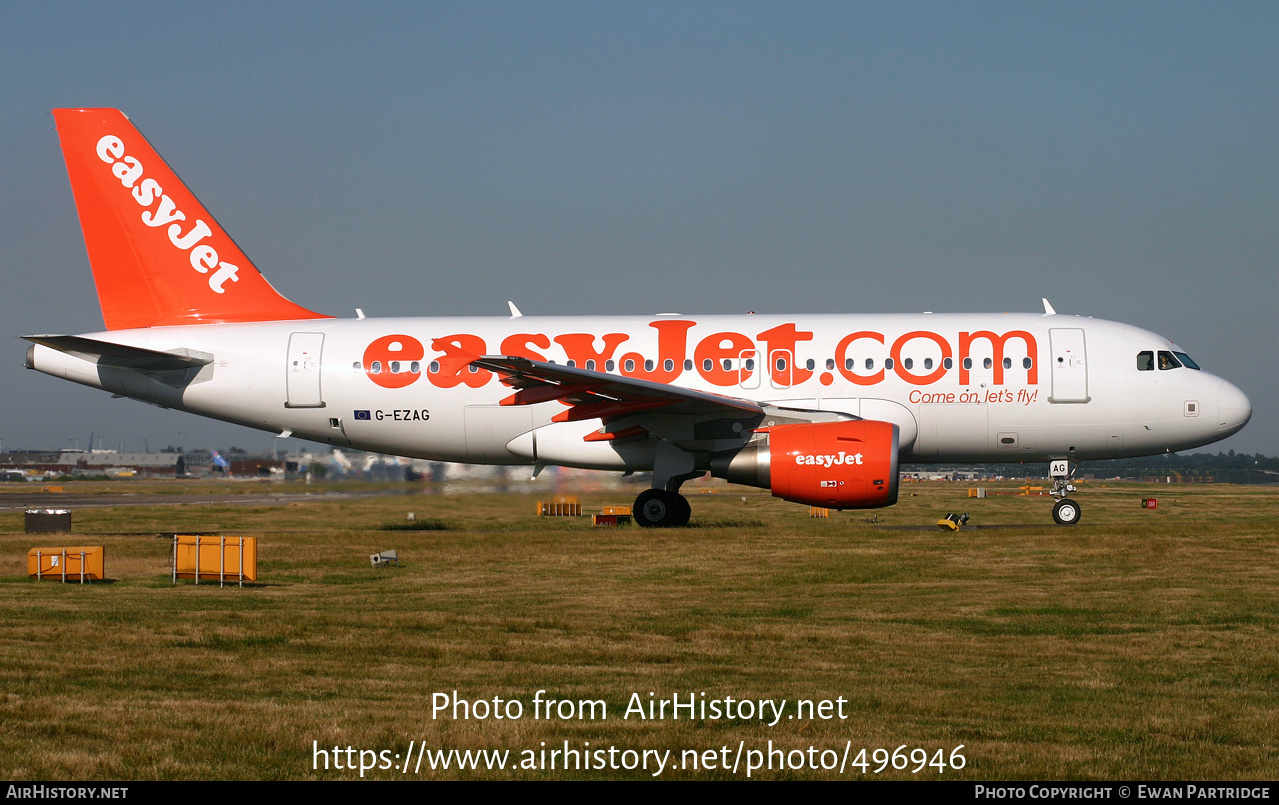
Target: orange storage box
212	557
81	563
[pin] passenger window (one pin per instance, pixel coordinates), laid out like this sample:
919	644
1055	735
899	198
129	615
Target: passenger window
1008	363
830	363
648	365
707	365
630	365
356	366
848	364
415	368
1146	361
572	364
928	363
728	364
609	365
968	363
948	363
809	364
590	366
750	364
908	363
888	363
668	365
688	365
395	367
986	364
870	363
433	368
376	368
1026	363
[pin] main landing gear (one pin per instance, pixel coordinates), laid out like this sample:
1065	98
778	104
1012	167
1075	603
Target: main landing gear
657	508
663	506
1065	511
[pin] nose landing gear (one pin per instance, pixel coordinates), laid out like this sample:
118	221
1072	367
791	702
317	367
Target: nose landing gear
1065	511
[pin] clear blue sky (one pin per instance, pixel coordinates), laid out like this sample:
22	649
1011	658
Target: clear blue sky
1120	158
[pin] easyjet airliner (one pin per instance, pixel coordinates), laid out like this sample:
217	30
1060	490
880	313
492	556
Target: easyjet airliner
817	409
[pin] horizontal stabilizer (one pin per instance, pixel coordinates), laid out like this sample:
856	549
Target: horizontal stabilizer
90	349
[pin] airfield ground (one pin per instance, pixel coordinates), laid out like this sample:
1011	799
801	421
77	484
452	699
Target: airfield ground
1139	645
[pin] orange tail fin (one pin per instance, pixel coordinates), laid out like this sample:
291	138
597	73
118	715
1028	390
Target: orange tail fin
158	257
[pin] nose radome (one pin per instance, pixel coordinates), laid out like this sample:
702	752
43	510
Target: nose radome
1234	409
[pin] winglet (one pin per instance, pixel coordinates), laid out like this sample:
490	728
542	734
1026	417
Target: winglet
158	257
1048	309
515	312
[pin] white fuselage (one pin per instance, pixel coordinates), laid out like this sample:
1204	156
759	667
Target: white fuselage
971	387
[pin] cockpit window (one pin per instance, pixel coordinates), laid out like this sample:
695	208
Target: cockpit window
1167	361
1185	360
1145	361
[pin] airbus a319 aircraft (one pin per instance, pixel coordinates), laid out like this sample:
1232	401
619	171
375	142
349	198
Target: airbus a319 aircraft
817	409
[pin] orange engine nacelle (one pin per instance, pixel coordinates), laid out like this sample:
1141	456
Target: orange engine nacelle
838	465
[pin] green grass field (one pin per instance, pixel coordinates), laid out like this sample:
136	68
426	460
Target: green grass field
1140	644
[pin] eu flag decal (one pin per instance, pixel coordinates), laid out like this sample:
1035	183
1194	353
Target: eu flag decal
362	416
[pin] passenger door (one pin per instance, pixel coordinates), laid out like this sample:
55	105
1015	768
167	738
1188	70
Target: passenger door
302	383
1069	366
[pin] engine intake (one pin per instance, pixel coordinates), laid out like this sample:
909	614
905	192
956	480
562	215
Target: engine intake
838	465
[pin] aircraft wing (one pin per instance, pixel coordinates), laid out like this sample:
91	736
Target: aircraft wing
592	395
